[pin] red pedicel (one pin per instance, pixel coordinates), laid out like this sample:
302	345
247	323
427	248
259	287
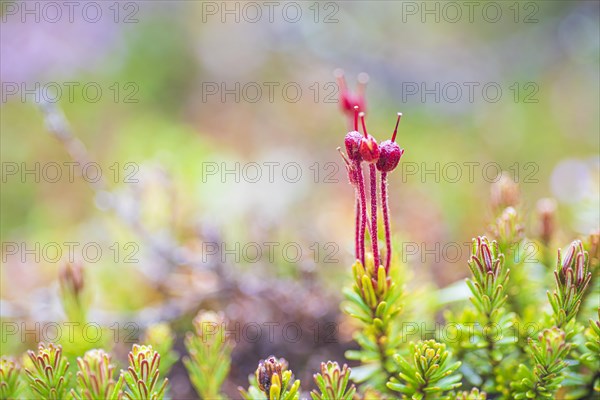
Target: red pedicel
369	150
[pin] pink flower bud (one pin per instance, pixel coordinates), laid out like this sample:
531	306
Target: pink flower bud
568	260
390	152
352	142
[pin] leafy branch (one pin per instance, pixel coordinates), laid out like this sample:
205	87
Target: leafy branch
375	301
10	384
488	286
47	372
430	373
333	383
572	277
549	352
142	375
209	352
95	377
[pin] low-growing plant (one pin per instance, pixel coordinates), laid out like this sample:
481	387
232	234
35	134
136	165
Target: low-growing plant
10	384
209	352
95	377
142	377
47	372
521	343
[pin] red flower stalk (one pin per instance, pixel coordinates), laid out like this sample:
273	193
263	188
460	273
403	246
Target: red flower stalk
389	158
363	210
382	157
349	100
369	150
355	176
373	188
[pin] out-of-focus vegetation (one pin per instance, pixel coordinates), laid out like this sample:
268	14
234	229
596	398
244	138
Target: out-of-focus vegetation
166	218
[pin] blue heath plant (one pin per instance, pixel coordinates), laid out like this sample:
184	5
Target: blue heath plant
47	372
209	352
515	329
10	384
95	377
142	377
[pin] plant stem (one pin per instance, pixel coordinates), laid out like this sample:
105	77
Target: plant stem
381	335
490	348
383	357
363	210
357	247
374	244
386	221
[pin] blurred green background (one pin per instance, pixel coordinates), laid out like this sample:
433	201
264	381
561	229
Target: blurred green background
158	121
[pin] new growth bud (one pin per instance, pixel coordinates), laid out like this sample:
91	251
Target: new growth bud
430	371
333	382
505	193
488	283
72	291
274	380
572	278
546	209
142	376
95	376
71	279
507	229
265	371
569	260
10	382
47	373
485	254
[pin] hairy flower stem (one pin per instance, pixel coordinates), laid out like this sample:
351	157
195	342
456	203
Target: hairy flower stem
363	210
386	221
357	248
374	244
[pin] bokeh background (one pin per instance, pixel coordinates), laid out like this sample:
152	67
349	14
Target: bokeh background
164	121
